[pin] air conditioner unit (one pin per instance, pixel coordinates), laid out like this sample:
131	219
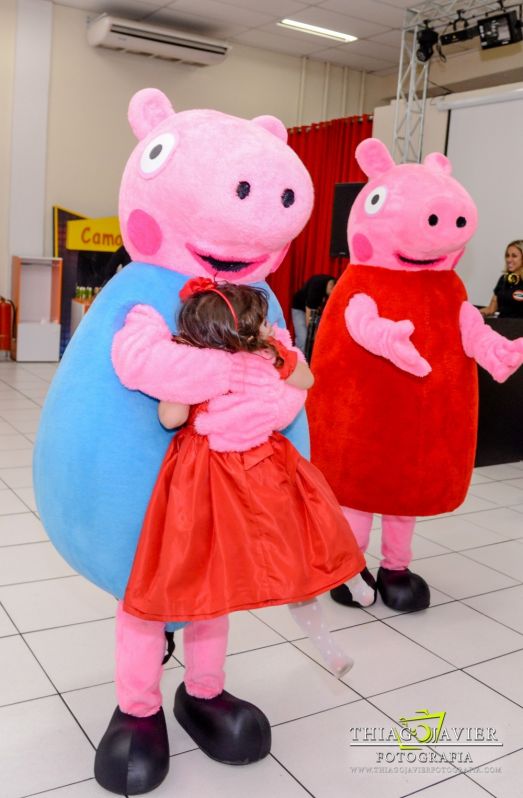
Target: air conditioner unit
154	40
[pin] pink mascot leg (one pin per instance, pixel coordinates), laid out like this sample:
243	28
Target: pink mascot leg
400	589
140	647
396	540
133	754
229	729
205	647
358	592
361	524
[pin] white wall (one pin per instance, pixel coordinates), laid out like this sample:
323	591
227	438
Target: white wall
7	50
29	127
435	127
485	147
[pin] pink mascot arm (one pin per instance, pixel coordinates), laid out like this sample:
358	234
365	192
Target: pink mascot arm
384	337
255	409
145	359
496	354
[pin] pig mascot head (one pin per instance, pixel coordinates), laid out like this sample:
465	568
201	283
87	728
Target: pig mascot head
411	217
203	193
393	378
200	196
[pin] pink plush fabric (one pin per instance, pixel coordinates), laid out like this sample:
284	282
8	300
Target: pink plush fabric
182	180
204	648
145	359
497	355
406	216
390	339
140	648
246	417
248	399
396	536
360	523
238	421
396	540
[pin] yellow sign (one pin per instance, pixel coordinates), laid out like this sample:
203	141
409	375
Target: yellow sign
98	235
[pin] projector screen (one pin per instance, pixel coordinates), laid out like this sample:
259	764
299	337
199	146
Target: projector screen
485	146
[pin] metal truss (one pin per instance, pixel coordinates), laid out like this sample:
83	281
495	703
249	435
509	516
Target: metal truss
413	76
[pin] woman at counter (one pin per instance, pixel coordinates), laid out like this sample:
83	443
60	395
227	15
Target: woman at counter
507	299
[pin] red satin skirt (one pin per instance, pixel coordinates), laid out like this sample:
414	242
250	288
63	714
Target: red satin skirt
228	531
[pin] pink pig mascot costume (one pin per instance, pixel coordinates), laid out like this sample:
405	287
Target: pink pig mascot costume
393	411
203	194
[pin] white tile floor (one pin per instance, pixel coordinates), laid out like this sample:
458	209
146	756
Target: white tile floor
463	656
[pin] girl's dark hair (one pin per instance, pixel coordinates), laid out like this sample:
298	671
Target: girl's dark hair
205	320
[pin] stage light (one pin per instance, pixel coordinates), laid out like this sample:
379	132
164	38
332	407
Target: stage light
499	30
462	32
427	39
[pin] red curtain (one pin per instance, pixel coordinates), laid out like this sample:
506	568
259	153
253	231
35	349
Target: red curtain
327	150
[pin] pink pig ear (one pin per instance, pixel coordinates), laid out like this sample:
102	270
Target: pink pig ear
273	125
373	157
147	109
437	162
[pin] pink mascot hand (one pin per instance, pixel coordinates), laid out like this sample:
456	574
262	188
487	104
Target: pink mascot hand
496	354
385	337
259	404
145	359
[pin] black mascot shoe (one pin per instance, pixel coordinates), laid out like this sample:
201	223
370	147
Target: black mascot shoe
133	755
342	594
403	591
226	728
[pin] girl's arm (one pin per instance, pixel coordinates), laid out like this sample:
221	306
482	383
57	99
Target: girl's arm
172	414
299	375
302	377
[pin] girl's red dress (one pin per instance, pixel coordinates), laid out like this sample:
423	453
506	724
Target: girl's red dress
229	531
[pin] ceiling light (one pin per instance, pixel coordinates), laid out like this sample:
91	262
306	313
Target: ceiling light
303	27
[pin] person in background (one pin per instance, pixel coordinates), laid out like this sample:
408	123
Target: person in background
312	296
116	263
507	299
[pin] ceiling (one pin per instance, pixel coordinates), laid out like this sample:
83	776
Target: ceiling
376	23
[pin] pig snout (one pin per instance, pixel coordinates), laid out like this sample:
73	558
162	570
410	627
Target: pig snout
446	224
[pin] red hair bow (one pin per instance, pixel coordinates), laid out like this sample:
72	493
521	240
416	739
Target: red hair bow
196	285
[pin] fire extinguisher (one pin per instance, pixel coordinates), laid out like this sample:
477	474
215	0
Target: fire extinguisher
7	323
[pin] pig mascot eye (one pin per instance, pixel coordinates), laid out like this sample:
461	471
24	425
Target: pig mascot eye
375	200
156	153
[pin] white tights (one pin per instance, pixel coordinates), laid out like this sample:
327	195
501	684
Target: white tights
309	617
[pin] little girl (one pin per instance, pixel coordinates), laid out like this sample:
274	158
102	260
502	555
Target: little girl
227	531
